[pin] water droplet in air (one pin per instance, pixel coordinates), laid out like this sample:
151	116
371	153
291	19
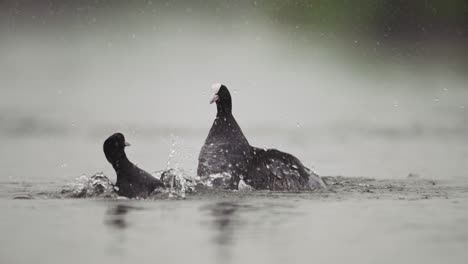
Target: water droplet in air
298	125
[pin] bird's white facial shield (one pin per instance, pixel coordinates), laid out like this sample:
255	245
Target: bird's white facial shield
215	87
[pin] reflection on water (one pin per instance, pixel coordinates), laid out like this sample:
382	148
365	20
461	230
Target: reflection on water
117	218
225	219
116	215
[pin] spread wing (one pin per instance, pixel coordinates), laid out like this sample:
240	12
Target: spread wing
272	169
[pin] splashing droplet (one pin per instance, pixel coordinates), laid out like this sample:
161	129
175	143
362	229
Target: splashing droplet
173	151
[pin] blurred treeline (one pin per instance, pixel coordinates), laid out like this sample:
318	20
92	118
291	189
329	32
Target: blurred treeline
413	27
404	19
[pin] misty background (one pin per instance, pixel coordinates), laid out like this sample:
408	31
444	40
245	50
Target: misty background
355	88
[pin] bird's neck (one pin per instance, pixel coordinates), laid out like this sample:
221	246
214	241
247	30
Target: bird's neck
121	163
224	115
225	127
224	108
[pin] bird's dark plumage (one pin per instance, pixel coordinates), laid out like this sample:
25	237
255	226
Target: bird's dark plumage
226	150
272	169
131	181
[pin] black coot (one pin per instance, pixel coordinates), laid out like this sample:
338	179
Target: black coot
131	181
226	150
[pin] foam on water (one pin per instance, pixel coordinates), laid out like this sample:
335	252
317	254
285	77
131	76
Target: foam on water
178	183
183	186
97	185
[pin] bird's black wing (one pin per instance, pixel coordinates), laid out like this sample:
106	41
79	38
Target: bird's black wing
272	169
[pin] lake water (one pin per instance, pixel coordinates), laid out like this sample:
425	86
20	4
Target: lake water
413	221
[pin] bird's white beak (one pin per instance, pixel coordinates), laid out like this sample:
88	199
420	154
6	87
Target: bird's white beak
214	99
127	144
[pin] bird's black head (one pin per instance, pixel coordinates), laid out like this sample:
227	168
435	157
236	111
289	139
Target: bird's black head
114	147
222	97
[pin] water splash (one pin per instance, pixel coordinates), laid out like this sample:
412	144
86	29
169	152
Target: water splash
218	181
172	152
97	185
177	181
242	186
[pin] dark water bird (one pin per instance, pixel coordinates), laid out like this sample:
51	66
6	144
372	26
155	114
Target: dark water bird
131	181
226	150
